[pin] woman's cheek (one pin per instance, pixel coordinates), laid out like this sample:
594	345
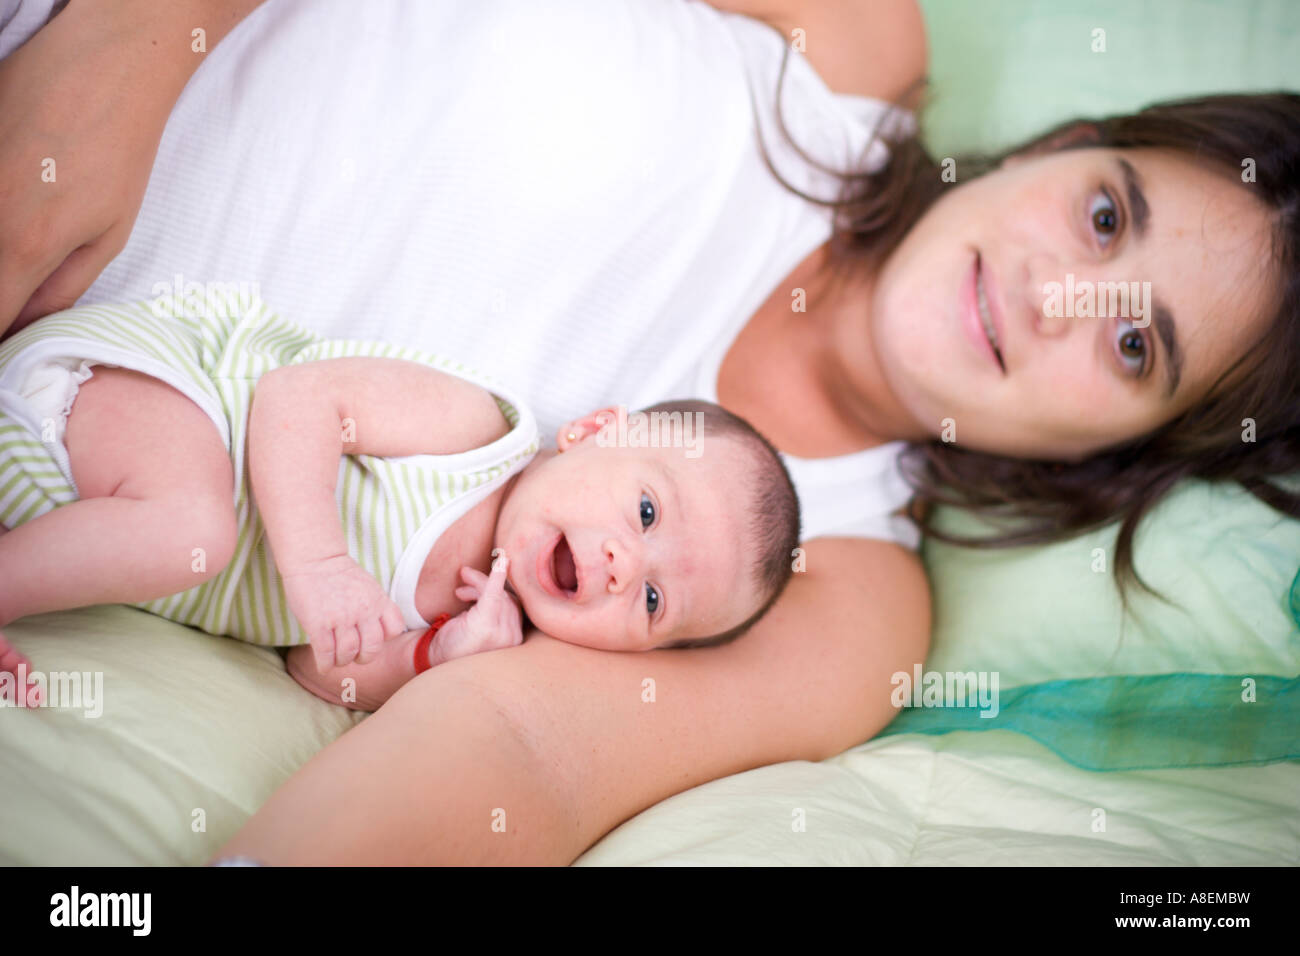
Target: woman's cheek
1099	413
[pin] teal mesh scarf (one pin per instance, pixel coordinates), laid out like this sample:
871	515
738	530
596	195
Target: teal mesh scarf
1142	722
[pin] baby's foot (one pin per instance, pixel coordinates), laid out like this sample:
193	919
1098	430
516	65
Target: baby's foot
10	660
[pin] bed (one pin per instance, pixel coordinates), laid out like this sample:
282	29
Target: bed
1168	735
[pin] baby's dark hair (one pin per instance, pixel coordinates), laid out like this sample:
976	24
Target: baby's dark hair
773	509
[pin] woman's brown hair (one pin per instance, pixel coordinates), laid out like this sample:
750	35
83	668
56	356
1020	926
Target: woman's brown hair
1036	501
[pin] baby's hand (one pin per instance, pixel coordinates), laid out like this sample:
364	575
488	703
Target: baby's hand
492	623
345	613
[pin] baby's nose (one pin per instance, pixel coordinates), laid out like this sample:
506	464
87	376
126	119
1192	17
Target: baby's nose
621	563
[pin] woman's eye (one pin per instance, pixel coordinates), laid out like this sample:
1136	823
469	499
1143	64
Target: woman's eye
1104	215
1131	346
647	511
651	599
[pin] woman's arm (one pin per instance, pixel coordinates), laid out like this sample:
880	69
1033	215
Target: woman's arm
91	93
869	47
562	740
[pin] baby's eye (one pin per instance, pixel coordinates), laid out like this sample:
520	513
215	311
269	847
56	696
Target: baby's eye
1131	347
1104	216
651	599
647	511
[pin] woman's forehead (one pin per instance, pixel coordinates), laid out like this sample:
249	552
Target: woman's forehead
1208	253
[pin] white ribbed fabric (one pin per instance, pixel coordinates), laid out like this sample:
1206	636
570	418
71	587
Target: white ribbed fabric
567	195
392	509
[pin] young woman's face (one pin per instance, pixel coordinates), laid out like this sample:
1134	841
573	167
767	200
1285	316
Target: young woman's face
1076	372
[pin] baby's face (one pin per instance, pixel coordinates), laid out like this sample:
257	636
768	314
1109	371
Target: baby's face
627	548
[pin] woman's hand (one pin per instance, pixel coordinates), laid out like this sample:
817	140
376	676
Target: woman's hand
492	623
343	610
83	105
74	163
358	686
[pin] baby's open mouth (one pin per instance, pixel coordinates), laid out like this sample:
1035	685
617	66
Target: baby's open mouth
563	569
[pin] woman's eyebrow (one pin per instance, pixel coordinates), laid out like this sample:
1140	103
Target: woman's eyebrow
1137	200
1168	332
1140	213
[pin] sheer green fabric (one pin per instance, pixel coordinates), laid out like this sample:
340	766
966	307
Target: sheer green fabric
1140	722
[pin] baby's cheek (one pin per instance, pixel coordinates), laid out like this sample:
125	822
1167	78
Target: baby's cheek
559	624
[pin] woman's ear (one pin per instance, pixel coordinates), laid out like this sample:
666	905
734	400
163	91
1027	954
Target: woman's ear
1077	135
580	429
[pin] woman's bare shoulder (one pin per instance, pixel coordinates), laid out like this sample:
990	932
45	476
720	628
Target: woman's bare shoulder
873	48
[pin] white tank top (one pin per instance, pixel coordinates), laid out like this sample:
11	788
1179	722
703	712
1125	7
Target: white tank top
567	195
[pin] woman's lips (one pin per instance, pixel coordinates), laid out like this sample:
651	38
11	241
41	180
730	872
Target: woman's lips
970	317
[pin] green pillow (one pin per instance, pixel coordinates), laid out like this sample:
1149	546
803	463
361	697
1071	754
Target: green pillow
183	737
1208	680
1211	679
1002	71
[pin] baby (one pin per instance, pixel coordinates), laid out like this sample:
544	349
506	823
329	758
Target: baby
233	471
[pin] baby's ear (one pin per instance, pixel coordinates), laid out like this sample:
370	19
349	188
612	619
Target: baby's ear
581	429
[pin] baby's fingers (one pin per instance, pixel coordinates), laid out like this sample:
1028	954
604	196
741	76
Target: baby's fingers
497	579
394	624
372	639
473	577
376	630
347	641
322	649
467	593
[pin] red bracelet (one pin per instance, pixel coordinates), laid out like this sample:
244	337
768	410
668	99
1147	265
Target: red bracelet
422	645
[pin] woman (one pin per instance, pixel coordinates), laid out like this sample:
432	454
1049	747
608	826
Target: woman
891	348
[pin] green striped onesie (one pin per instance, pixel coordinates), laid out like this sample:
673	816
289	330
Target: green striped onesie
392	509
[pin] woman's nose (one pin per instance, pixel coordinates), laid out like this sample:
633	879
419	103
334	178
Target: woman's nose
1049	295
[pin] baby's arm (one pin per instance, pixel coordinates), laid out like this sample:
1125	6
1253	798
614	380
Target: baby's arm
493	622
300	418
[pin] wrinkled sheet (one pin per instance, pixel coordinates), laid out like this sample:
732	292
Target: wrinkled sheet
196	731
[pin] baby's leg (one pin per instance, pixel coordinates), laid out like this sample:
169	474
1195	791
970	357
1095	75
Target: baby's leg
154	482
